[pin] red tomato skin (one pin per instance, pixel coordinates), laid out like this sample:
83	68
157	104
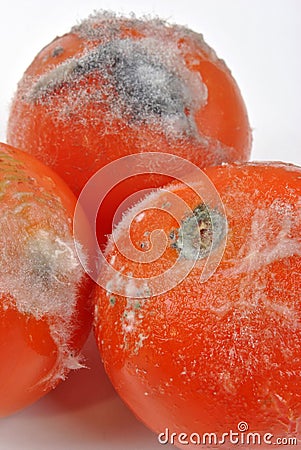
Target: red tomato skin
205	356
70	129
40	340
78	126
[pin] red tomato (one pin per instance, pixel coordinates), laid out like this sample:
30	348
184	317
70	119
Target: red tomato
204	356
114	86
45	296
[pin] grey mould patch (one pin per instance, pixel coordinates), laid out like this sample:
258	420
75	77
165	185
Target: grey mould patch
57	51
139	79
148	86
41	270
144	82
199	233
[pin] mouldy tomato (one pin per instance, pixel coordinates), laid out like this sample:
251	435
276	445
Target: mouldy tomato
113	86
45	296
203	357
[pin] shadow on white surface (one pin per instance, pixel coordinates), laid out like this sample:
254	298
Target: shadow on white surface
84	388
83	412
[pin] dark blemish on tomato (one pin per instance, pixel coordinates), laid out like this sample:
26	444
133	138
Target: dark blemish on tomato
194	238
57	52
41	269
112	300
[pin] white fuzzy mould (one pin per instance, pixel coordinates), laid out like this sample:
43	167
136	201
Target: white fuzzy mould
258	251
40	273
130	215
133	311
105	26
140	217
145	80
113	259
44	282
153	85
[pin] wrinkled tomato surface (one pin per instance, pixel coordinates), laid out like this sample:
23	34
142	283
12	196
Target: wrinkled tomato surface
201	357
45	296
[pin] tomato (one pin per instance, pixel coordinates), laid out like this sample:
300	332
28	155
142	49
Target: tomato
114	86
214	355
45	296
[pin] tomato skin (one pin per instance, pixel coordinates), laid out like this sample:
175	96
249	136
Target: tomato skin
203	357
45	296
80	125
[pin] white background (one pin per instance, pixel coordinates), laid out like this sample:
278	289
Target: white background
260	40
